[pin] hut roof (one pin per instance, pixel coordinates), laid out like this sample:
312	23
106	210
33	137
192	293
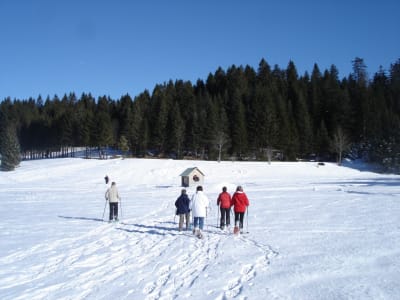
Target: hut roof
188	171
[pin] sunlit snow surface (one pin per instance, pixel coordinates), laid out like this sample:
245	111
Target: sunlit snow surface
324	232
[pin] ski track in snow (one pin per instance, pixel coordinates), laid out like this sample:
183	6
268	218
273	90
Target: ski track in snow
145	257
117	252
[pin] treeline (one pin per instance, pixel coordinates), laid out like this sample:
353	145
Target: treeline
239	113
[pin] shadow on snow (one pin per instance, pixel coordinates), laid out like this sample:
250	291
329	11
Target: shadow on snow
151	229
140	228
82	218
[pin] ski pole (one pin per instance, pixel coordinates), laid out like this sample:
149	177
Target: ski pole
120	205
104	211
206	220
217	216
247	219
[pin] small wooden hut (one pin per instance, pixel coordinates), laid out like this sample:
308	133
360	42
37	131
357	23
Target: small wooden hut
192	177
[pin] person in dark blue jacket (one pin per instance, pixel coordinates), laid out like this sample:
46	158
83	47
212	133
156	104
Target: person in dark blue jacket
182	209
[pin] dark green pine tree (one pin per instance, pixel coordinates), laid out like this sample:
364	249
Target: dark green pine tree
159	117
296	97
175	131
322	142
386	150
359	101
104	133
139	137
394	87
124	116
211	129
315	97
238	127
10	148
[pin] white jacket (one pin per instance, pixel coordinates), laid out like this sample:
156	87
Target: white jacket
112	194
199	204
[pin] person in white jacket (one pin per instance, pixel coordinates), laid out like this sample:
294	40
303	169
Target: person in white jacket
199	205
113	198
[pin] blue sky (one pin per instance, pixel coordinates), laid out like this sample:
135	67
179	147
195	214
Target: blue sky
117	47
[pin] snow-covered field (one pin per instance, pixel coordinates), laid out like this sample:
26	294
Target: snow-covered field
324	232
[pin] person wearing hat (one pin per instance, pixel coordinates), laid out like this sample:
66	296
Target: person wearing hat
240	203
182	209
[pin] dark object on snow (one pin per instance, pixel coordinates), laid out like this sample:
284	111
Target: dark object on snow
106	179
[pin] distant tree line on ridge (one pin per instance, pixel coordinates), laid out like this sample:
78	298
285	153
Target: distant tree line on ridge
238	113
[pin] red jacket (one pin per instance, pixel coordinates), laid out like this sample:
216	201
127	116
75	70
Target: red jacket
240	201
224	200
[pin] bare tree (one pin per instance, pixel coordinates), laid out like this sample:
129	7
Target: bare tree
341	143
220	140
269	152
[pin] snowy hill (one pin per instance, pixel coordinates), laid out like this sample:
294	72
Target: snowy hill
324	232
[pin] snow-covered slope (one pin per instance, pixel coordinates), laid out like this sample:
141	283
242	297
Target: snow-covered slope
324	232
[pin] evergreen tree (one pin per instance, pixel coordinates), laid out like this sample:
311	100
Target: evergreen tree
10	148
322	142
175	131
159	117
238	127
103	135
139	137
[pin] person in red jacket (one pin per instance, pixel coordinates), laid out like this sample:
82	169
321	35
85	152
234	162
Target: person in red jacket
240	203
224	202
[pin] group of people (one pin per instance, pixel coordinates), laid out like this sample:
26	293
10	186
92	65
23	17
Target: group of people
199	203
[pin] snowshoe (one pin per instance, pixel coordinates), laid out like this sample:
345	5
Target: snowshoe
236	230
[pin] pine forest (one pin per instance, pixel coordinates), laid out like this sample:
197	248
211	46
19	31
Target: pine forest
235	114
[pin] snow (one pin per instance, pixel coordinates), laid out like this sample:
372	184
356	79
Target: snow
315	232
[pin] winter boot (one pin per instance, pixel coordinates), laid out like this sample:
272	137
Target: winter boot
236	229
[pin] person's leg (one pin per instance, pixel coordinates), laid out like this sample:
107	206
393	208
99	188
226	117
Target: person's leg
201	223
197	226
116	211
111	211
236	219
196	222
222	221
187	215
228	216
241	220
181	216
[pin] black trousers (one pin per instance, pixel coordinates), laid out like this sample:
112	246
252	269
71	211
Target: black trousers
113	210
225	216
239	216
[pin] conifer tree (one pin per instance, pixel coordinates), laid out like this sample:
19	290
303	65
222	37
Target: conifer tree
10	148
